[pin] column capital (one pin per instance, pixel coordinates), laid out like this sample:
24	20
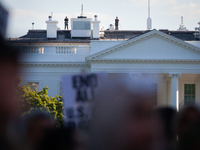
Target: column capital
175	74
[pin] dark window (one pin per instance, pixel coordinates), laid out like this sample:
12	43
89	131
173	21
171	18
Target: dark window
81	25
189	94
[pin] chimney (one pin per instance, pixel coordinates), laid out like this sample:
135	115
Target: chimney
96	27
51	28
33	25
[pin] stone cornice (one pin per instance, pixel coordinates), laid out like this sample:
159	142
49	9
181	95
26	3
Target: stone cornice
51	64
144	61
141	38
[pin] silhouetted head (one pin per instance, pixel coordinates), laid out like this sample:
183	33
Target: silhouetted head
8	72
36	124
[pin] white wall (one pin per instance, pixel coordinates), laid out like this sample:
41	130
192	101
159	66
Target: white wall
48	76
59	53
99	45
48	66
145	67
154	48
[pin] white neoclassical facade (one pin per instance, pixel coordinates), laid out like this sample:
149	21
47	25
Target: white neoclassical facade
174	63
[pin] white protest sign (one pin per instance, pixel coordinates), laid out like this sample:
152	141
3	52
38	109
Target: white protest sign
78	94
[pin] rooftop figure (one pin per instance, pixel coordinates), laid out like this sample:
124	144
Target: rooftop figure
116	23
66	22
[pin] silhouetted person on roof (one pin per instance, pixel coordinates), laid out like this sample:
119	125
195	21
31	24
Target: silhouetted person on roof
116	23
66	22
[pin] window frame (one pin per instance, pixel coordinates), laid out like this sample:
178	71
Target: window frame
195	94
32	85
36	81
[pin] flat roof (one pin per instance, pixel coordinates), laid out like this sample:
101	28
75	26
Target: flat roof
64	36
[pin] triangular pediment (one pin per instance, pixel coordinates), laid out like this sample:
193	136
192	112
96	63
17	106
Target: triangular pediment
153	45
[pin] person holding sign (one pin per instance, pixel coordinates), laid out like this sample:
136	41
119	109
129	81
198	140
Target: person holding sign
78	92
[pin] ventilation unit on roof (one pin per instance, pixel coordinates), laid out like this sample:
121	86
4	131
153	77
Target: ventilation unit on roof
81	27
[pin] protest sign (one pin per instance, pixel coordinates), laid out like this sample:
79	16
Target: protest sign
79	95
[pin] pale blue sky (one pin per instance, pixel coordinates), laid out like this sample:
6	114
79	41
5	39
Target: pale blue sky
165	14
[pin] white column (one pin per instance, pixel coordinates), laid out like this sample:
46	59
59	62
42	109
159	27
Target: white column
174	90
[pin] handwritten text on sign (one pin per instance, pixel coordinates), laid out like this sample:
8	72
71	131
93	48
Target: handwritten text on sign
78	91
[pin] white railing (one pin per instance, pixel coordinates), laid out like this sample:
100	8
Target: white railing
32	50
66	50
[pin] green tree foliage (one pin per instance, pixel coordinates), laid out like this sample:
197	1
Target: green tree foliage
29	99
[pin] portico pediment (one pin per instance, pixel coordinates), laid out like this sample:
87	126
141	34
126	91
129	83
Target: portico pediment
150	47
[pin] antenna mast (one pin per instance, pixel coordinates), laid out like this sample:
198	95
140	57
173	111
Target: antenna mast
82	10
149	9
33	25
81	16
182	20
149	21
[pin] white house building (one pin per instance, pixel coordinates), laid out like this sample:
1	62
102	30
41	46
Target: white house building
172	57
